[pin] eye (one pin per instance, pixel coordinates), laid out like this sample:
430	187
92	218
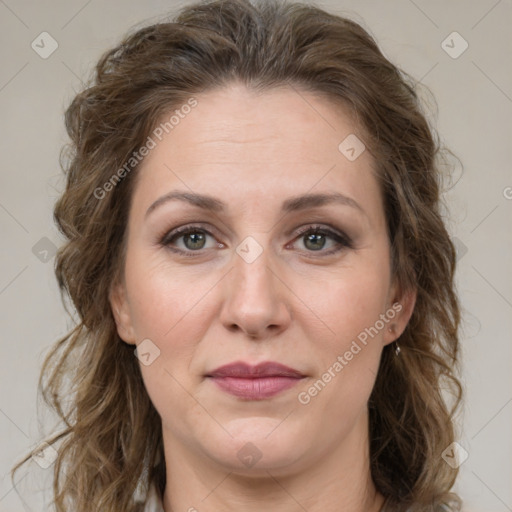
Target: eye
191	240
188	239
315	239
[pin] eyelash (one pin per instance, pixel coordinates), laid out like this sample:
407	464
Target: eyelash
343	241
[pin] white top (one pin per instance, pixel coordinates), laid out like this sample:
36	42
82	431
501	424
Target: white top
153	502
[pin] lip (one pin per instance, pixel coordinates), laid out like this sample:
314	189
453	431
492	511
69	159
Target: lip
246	370
255	382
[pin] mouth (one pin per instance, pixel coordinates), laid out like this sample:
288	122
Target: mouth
255	382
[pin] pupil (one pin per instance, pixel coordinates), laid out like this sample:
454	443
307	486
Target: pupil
196	239
315	237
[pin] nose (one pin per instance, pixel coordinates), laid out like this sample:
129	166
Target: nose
255	299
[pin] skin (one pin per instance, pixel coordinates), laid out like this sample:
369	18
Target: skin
292	304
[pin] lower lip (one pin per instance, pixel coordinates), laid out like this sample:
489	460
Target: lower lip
255	389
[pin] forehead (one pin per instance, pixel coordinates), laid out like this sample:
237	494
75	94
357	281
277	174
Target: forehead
242	119
259	147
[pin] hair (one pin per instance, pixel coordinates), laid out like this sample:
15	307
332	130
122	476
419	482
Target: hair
110	449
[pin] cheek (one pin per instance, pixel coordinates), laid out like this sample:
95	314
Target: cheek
349	301
168	306
349	337
162	295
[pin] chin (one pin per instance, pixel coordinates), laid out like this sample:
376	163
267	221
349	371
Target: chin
258	445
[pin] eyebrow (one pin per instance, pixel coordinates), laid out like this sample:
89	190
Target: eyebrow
292	204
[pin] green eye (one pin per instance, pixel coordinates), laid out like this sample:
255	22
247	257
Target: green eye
315	239
191	240
196	240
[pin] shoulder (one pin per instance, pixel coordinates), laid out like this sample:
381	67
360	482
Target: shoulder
414	508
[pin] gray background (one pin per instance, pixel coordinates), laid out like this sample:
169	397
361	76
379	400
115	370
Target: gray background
474	97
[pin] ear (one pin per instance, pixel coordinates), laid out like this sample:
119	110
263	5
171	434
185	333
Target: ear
399	312
121	312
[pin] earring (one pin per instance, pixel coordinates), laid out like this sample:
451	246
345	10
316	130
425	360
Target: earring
391	329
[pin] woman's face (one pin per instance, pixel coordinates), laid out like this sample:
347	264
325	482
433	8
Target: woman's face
249	281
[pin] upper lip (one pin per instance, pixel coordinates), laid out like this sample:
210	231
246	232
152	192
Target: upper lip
247	371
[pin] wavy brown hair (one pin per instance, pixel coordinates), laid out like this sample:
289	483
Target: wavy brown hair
110	449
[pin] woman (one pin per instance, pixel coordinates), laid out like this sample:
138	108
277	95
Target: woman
253	210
